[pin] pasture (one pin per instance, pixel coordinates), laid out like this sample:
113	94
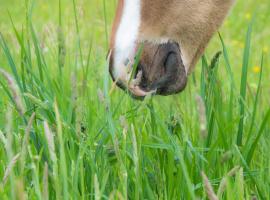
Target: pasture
66	133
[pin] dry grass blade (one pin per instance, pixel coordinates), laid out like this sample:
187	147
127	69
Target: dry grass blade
26	139
50	141
45	191
208	187
15	91
223	183
9	168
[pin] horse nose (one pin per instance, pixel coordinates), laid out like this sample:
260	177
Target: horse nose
160	71
163	69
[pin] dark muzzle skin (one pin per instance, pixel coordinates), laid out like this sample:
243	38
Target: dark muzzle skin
162	69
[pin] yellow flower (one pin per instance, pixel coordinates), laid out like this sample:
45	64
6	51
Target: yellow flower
265	49
248	16
256	69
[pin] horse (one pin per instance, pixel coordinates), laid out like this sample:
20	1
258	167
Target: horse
155	44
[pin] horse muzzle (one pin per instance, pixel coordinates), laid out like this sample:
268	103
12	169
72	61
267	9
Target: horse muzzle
160	72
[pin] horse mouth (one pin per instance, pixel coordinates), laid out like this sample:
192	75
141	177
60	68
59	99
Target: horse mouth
160	72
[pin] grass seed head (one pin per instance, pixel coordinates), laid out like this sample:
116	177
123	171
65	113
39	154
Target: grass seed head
223	182
123	122
15	91
226	157
50	140
208	187
9	168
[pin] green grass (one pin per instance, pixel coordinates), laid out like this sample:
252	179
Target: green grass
64	136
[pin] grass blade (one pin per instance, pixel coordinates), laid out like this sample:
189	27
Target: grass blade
244	85
10	60
255	143
256	102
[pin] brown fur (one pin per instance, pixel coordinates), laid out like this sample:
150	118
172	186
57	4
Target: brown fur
191	23
187	24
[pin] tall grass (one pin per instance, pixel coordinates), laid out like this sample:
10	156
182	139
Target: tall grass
66	136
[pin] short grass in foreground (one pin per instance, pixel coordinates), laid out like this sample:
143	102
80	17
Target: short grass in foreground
64	134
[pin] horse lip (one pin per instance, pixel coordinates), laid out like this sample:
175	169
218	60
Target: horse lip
132	88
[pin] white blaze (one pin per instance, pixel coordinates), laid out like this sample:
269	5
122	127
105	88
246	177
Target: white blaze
126	36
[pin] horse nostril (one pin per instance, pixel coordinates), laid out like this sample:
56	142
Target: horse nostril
171	63
169	75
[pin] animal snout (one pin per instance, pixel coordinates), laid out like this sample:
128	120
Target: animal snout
160	71
163	69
